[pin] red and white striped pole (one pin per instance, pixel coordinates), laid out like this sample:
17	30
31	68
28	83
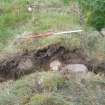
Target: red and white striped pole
48	34
43	35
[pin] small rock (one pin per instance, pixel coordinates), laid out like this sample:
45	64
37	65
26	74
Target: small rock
55	65
25	64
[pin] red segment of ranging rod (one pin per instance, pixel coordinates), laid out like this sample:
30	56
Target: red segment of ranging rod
33	36
42	35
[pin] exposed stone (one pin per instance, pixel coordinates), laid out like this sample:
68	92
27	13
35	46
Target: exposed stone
74	70
55	65
53	57
25	64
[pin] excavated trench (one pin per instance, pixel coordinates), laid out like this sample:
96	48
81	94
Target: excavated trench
16	65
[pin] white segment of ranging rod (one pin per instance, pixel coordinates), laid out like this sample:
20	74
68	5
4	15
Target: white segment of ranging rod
68	32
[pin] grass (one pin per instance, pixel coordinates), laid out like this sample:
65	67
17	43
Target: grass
15	19
54	89
46	99
12	25
87	91
12	15
93	44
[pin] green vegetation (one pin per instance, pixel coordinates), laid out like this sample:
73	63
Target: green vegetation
94	13
16	20
66	2
12	15
52	81
45	99
70	92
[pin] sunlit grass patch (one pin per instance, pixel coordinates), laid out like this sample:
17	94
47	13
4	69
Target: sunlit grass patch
50	81
17	91
88	91
14	16
47	99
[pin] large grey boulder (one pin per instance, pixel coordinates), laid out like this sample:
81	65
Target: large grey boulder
74	70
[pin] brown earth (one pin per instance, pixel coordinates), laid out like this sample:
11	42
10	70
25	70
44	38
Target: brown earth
16	65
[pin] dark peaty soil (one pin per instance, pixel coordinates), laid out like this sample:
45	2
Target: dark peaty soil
17	65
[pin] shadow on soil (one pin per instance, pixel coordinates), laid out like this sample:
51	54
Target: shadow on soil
16	65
